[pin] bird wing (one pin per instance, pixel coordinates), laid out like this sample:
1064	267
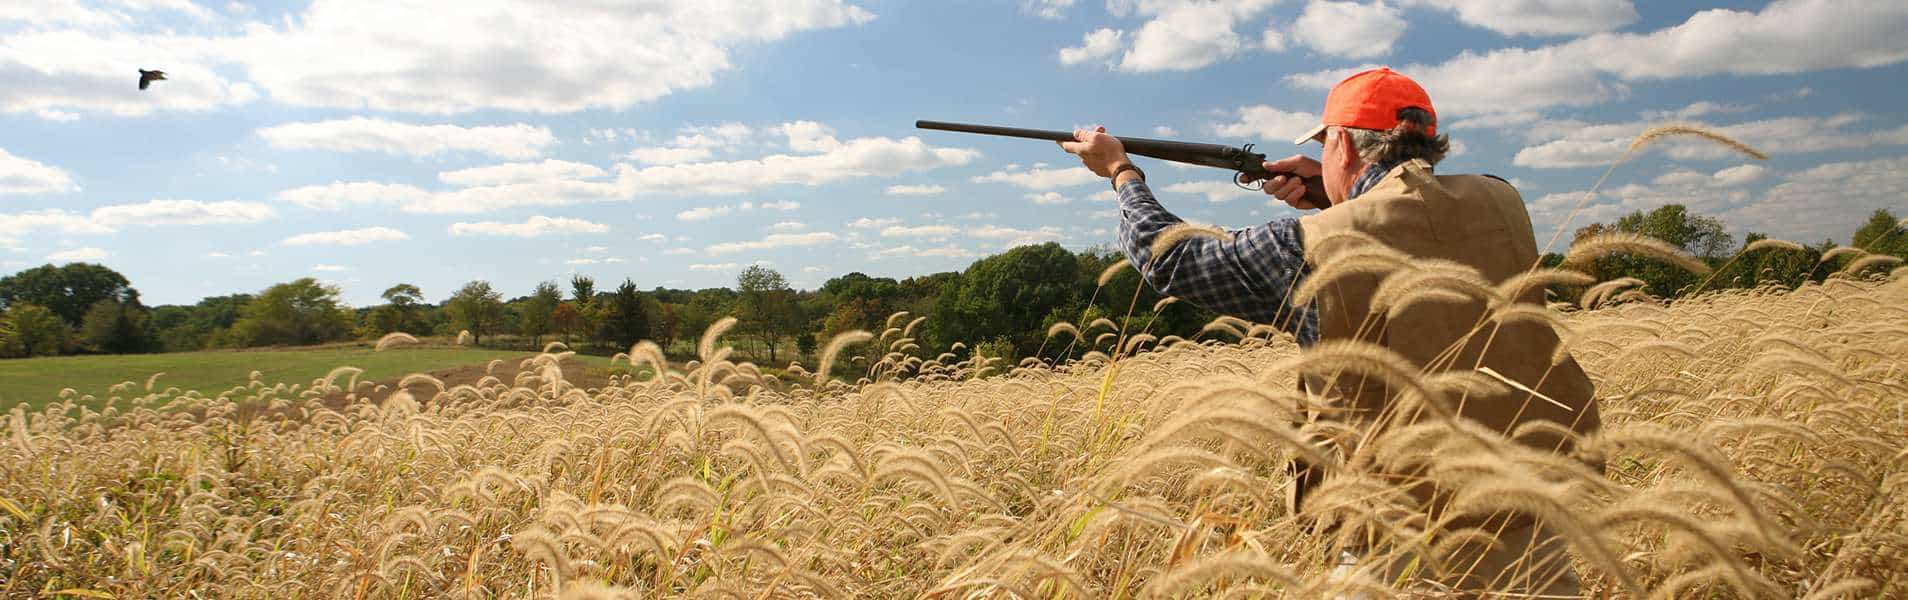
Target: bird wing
144	81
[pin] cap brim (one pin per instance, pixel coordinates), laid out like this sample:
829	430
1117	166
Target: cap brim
1317	133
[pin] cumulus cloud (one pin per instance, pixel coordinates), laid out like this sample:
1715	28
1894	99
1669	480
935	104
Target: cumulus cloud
182	212
1100	44
858	157
868	223
1563	144
781	205
1048	198
1040	178
1261	122
59	73
1187	35
516	55
1214	191
1014	236
788	226
704	213
944	251
1785	37
914	190
360	134
330	268
654	237
537	226
695	142
20	175
87	254
523	172
728	266
1046	9
1794	208
337	195
1349	29
774	240
347	237
1539	17
931	232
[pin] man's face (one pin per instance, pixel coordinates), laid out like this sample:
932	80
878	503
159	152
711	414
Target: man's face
1339	164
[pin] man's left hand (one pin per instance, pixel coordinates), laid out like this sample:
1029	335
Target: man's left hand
1101	153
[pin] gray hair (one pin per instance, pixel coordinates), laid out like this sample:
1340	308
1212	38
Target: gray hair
1403	142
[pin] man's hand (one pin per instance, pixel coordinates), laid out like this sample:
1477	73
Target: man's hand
1101	153
1295	191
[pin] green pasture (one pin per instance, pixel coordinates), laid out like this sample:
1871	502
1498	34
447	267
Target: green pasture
38	381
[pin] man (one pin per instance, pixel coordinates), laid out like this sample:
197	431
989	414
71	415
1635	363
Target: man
1380	144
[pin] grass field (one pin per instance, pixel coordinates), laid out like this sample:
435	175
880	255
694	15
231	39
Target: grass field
38	381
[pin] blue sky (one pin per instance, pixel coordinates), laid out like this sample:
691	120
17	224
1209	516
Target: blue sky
372	142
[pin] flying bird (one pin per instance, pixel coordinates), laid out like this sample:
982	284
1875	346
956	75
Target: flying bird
147	77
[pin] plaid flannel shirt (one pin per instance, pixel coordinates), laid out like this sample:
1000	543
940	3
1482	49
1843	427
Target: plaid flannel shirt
1250	276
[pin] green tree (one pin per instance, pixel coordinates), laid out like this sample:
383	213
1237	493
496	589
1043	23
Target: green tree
539	311
402	311
115	327
32	330
667	325
1702	236
766	307
1882	234
300	312
624	320
68	290
476	308
1006	295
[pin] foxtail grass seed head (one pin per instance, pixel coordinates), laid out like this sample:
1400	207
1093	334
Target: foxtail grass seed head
1750	446
1653	134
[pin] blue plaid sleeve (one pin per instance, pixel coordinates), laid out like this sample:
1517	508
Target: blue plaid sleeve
1250	276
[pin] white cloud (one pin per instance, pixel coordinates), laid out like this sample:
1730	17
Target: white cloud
337	195
788	226
728	266
1693	110
976	215
537	226
347	237
523	172
1261	122
867	223
182	212
669	156
774	240
1785	37
1739	175
1796	209
931	232
1187	35
944	251
1349	29
1099	44
58	74
704	213
1015	237
1048	198
1040	178
679	251
914	190
1539	17
782	205
330	268
515	55
1214	191
360	134
1563	144
20	175
87	254
654	237
1046	9
593	261
1164	131
596	249
812	269
859	157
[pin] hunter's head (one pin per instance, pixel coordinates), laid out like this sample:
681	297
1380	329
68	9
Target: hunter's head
1374	117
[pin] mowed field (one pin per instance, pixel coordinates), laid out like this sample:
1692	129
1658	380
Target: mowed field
36	382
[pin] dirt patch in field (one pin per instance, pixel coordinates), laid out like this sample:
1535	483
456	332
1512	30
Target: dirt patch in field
576	373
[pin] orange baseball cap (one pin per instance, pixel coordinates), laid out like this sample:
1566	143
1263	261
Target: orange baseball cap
1371	100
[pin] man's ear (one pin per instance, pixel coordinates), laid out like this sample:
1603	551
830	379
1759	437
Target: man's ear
1346	155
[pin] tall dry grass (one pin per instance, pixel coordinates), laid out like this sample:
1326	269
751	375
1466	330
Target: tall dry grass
1754	442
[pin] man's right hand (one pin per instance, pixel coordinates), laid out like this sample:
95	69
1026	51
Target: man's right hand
1295	191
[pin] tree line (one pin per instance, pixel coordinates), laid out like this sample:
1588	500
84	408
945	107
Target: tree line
1001	305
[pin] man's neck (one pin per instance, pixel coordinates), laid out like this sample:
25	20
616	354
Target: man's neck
1373	173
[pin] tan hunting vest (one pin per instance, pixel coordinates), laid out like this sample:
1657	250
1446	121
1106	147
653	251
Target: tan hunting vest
1474	220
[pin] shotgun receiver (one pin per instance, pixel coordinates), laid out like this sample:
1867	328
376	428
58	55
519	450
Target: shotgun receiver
1248	166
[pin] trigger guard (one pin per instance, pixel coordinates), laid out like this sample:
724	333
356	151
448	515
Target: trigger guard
1238	179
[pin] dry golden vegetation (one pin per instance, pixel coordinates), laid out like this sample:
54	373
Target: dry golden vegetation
1754	442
